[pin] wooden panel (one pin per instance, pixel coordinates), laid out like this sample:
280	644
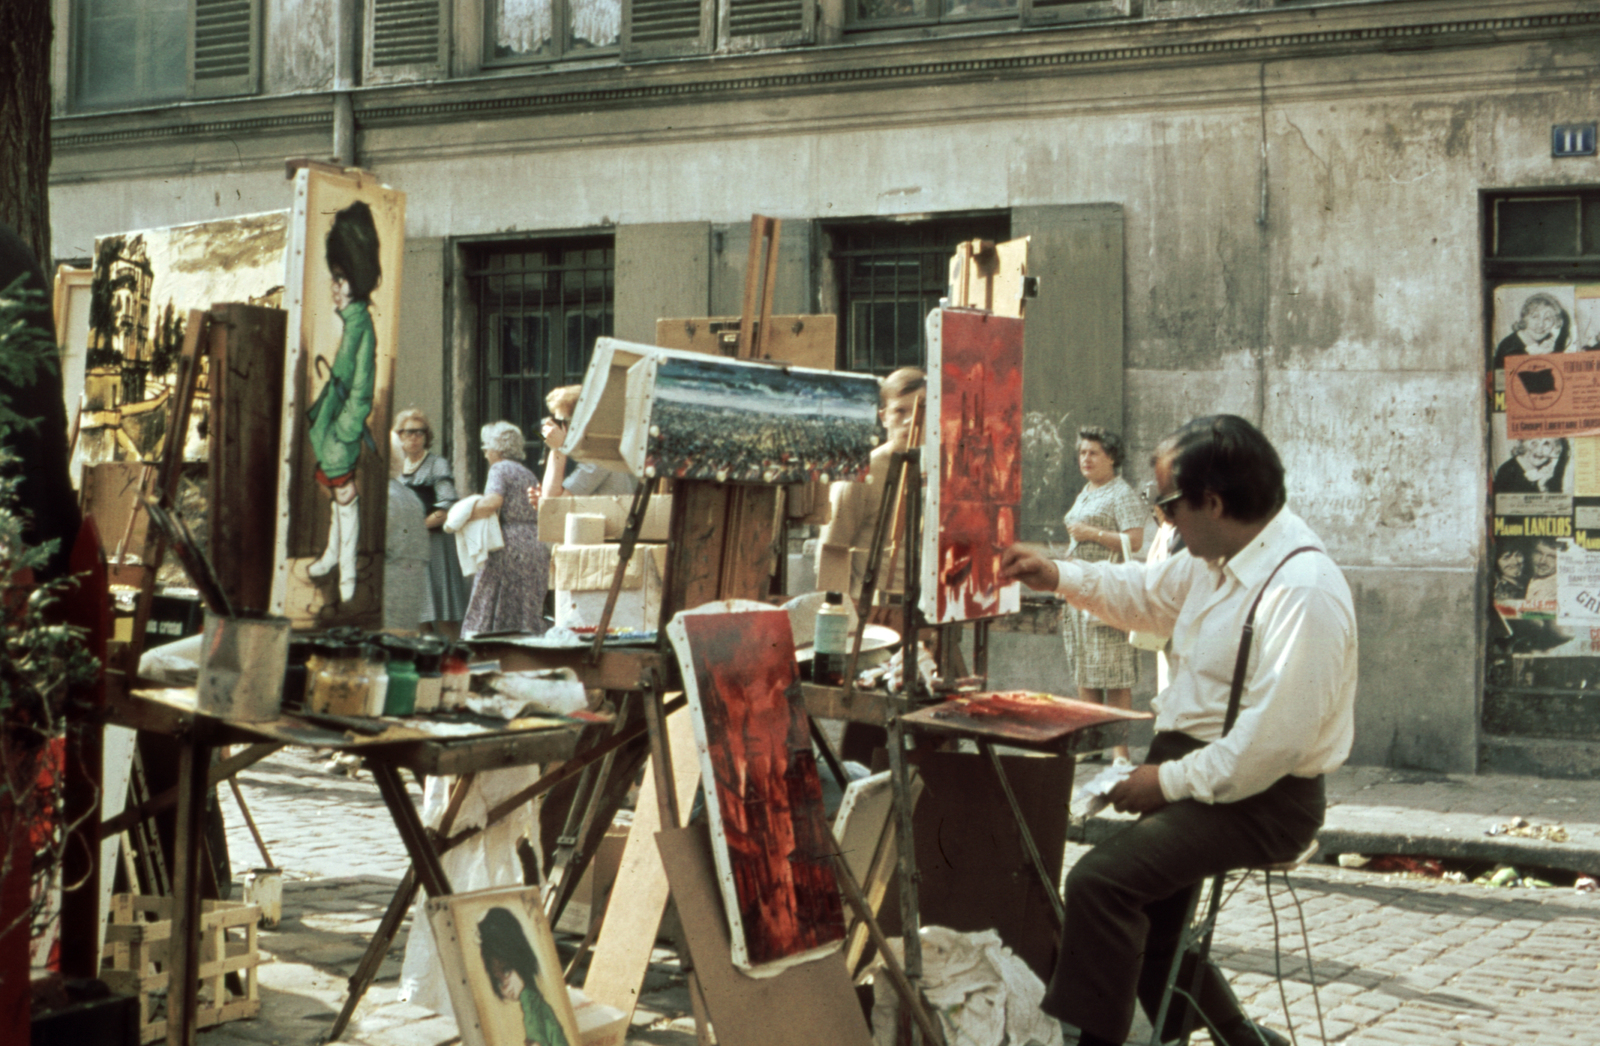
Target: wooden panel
110	492
1074	328
763	797
802	1006
247	351
661	271
639	898
804	341
724	546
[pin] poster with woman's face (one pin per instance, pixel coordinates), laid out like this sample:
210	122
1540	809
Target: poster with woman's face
503	972
346	245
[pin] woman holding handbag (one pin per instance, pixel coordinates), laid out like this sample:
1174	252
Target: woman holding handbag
1106	522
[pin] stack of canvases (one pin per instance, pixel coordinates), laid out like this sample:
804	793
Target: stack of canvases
583	533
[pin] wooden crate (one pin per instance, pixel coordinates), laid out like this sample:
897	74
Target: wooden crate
135	961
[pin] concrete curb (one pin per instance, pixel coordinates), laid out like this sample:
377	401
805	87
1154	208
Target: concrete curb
1352	828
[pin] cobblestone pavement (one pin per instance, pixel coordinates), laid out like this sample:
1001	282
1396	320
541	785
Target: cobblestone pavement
1398	960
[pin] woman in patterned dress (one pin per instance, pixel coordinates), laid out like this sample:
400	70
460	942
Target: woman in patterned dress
1103	663
430	478
508	591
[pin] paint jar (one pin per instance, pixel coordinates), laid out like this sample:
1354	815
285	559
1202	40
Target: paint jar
263	887
401	698
377	664
457	680
430	684
830	650
340	685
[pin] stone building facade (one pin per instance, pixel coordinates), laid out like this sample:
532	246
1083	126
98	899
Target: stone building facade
1286	209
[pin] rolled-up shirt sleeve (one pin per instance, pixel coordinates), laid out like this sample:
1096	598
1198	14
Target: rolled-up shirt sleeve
1294	714
1130	596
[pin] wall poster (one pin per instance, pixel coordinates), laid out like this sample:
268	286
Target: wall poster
346	244
1545	457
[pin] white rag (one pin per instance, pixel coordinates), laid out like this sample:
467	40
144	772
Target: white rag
475	538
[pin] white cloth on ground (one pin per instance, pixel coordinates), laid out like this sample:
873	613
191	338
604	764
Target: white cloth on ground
984	994
487	859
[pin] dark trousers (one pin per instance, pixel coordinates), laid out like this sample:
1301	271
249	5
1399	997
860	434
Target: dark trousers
1126	898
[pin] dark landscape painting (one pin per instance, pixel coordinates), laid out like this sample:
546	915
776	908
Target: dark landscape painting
770	837
735	422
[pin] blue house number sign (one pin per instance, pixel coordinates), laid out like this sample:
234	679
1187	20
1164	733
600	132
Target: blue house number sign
1572	139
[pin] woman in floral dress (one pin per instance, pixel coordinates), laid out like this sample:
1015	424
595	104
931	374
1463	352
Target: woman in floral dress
1103	663
508	591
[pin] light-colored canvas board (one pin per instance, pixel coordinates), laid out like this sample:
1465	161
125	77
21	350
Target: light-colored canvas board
972	464
343	328
501	968
144	285
770	840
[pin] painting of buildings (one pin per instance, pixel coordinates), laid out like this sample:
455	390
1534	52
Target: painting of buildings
972	463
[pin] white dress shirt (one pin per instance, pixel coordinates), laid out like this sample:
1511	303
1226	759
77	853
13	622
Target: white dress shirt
1297	707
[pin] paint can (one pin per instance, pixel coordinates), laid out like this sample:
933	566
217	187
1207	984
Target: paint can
263	887
242	662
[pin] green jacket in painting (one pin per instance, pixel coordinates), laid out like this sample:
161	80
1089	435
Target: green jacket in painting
339	415
539	1023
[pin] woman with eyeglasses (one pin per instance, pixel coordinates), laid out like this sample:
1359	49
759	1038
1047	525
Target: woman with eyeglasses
431	479
1106	513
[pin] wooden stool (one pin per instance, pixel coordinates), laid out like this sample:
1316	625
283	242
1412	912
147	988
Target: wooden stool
1196	941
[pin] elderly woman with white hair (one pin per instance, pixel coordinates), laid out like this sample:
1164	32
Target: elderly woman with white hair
508	590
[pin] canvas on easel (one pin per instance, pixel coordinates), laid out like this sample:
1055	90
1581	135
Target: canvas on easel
346	245
770	839
972	464
501	968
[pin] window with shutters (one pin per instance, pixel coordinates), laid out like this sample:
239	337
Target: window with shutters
660	28
405	40
547	30
882	14
131	54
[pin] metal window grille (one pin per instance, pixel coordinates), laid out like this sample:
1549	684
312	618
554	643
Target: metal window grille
891	274
540	308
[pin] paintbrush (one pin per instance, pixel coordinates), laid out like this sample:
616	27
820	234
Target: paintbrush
194	561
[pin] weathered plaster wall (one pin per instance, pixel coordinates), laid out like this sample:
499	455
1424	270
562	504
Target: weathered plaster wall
1301	247
299	42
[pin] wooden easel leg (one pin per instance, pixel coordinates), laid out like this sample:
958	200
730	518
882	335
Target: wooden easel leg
367	969
250	822
194	757
424	857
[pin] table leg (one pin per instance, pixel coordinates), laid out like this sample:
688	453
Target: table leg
361	979
183	991
424	858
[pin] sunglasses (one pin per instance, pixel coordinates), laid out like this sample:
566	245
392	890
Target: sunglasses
1167	499
413	432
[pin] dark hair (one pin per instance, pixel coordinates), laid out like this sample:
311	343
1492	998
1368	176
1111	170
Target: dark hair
1229	457
902	382
353	249
1109	442
501	939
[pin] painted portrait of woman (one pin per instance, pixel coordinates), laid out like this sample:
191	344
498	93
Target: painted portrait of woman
338	417
514	975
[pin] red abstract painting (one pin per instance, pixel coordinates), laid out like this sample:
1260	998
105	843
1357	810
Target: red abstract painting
973	464
1017	717
770	838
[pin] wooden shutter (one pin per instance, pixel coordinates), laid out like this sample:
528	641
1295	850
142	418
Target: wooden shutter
667	27
1072	369
1044	12
405	40
224	48
748	24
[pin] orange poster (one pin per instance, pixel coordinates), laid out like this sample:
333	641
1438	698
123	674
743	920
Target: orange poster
1552	395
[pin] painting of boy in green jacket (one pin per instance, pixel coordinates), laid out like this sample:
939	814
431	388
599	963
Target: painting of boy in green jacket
338	416
514	975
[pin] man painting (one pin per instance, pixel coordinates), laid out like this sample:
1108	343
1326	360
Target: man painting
1209	803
